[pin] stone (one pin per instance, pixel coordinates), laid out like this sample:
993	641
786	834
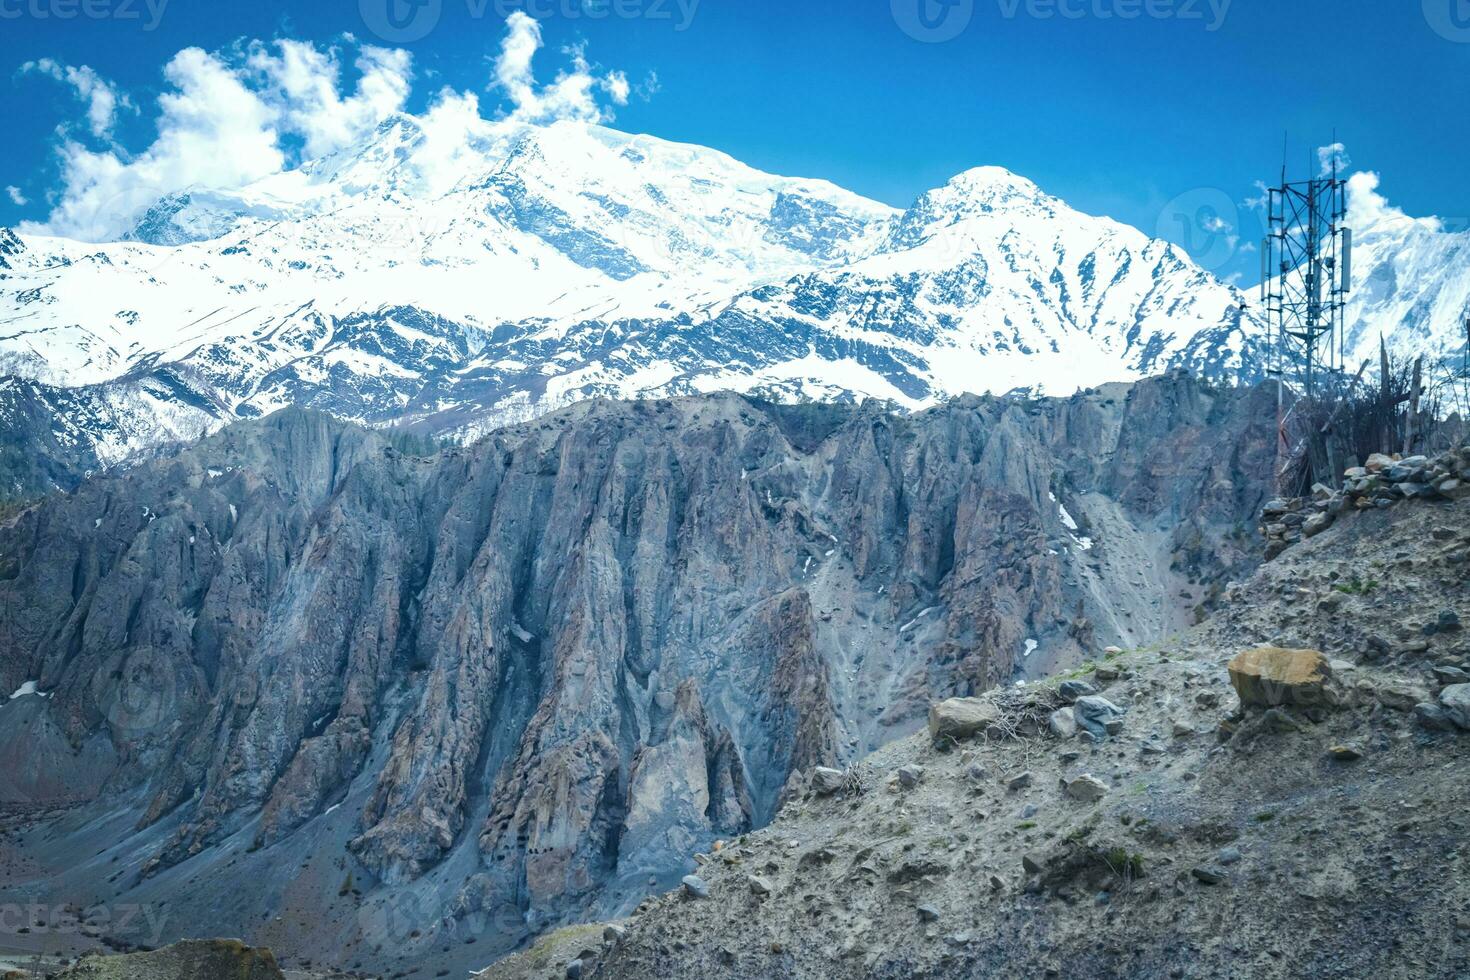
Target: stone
1072	690
574	969
613	934
827	781
695	887
1228	855
909	776
758	885
1455	489
1316	524
1094	713
1112	651
1062	723
1397	694
1086	788
1019	782
1433	717
1447	675
1455	702
961	717
977	772
1032	864
1270	676
1183	729
1210	875
1346	752
1378	462
928	913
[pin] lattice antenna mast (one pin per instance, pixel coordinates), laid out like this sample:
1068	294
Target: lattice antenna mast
1306	274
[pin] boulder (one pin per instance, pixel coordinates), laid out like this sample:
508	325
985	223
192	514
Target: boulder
695	887
827	781
909	776
758	885
1316	524
1062	723
1072	690
1094	714
1270	676
1454	701
961	717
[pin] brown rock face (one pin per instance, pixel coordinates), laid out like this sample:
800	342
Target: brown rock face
1269	677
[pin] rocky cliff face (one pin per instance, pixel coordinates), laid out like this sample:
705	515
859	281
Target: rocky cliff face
507	685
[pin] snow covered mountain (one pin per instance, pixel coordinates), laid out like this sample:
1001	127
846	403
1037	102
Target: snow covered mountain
1412	280
457	278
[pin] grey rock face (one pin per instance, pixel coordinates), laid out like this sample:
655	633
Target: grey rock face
532	677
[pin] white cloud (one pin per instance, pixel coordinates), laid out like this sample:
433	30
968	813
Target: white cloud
302	83
1369	210
16	197
1332	159
213	131
228	119
570	96
102	98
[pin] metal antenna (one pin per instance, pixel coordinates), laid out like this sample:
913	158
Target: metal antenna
1308	267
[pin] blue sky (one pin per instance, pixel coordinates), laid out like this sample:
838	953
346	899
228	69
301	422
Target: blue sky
1144	110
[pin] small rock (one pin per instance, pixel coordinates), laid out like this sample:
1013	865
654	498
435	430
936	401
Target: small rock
1433	717
996	883
758	885
1019	782
909	776
1448	675
827	781
612	935
574	969
1028	811
1210	875
695	887
1316	524
1094	713
1345	752
1062	723
1086	788
1228	855
1032	864
1072	690
977	772
1183	730
928	913
1455	702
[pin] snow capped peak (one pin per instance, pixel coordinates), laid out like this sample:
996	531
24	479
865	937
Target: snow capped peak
991	194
